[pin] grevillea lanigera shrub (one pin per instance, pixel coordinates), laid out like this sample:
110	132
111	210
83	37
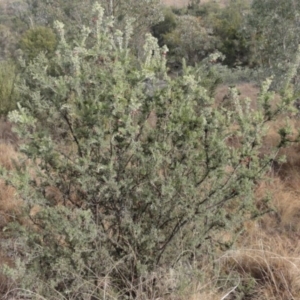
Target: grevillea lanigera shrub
129	170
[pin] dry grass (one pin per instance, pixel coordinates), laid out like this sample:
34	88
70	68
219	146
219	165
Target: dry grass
266	272
7	136
8	156
9	204
9	208
266	259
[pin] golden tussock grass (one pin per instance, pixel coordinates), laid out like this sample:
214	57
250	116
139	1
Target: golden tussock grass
266	259
271	273
7	156
267	256
197	292
9	204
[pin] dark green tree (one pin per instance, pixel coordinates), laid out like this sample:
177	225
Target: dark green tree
166	26
229	26
36	40
191	40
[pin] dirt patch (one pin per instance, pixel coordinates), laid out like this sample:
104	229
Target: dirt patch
7	135
245	90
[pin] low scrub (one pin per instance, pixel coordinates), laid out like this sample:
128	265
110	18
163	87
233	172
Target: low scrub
135	198
8	93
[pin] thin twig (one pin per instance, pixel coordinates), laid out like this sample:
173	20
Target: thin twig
232	290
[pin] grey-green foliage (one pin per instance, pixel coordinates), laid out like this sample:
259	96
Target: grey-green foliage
144	14
274	26
131	195
44	13
73	13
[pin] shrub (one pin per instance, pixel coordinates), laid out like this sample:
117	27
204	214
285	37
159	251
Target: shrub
167	25
7	42
8	94
36	40
275	35
228	25
203	9
130	198
190	39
